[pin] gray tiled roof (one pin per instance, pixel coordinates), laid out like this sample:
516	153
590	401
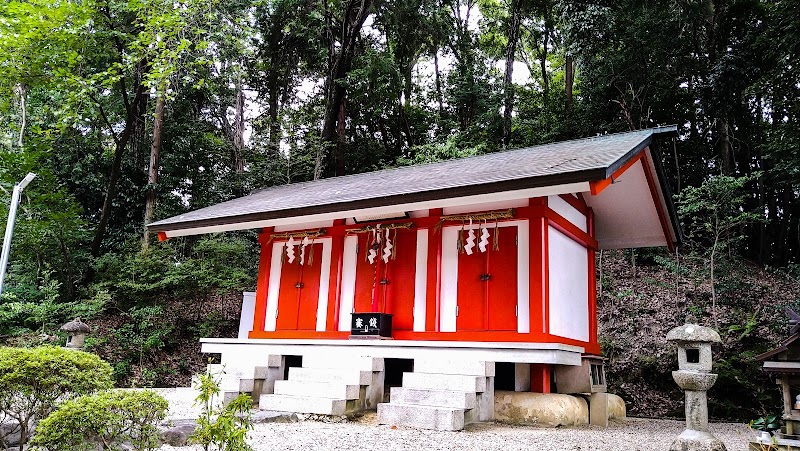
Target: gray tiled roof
573	161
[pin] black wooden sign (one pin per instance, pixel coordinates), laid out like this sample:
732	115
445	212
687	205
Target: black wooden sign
371	324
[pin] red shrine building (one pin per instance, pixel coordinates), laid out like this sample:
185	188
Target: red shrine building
421	290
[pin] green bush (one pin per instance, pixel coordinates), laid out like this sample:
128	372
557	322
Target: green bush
225	428
33	381
106	420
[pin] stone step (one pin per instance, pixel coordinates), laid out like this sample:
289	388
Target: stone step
306	404
317	389
331	375
444	366
444	381
231	378
336	361
423	417
436	398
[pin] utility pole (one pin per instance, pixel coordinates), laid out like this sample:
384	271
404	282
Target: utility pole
12	216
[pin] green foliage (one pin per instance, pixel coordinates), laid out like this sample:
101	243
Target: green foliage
34	381
768	423
713	213
222	428
139	279
714	219
145	333
109	420
743	330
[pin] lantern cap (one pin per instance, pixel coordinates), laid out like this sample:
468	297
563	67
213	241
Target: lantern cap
76	325
693	333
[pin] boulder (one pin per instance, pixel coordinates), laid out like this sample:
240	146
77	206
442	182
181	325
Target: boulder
616	408
178	433
544	409
269	416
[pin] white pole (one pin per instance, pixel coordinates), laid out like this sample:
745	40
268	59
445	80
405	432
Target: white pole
12	216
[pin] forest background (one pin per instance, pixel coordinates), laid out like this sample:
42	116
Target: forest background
134	110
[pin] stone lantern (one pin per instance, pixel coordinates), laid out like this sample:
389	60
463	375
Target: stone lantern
695	378
76	333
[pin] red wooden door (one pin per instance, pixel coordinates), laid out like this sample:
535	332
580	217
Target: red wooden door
487	286
309	293
471	290
397	293
299	292
502	285
288	295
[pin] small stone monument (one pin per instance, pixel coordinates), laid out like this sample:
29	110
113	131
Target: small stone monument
76	333
695	378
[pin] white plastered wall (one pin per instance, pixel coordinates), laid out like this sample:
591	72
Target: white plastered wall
275	281
421	280
562	207
348	282
568	286
449	285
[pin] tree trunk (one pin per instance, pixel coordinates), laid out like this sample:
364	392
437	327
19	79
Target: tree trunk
23	111
569	80
238	137
439	97
340	62
134	113
341	137
511	52
724	148
404	122
543	54
152	174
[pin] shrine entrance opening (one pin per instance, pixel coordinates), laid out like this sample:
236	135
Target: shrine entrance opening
384	286
298	297
487	285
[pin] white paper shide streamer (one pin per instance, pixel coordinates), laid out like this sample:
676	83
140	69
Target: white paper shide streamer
372	254
470	244
290	250
387	249
303	251
484	242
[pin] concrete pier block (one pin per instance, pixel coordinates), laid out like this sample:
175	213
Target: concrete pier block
375	390
598	409
486	402
522	377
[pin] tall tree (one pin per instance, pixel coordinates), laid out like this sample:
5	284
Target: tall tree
343	23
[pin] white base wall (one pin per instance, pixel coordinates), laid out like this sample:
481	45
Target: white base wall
249	351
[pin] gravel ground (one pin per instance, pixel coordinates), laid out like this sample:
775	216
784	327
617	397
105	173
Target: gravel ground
181	402
365	433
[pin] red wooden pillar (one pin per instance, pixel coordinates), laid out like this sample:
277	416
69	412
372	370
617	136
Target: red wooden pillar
262	283
540	378
538	268
592	284
335	280
433	290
